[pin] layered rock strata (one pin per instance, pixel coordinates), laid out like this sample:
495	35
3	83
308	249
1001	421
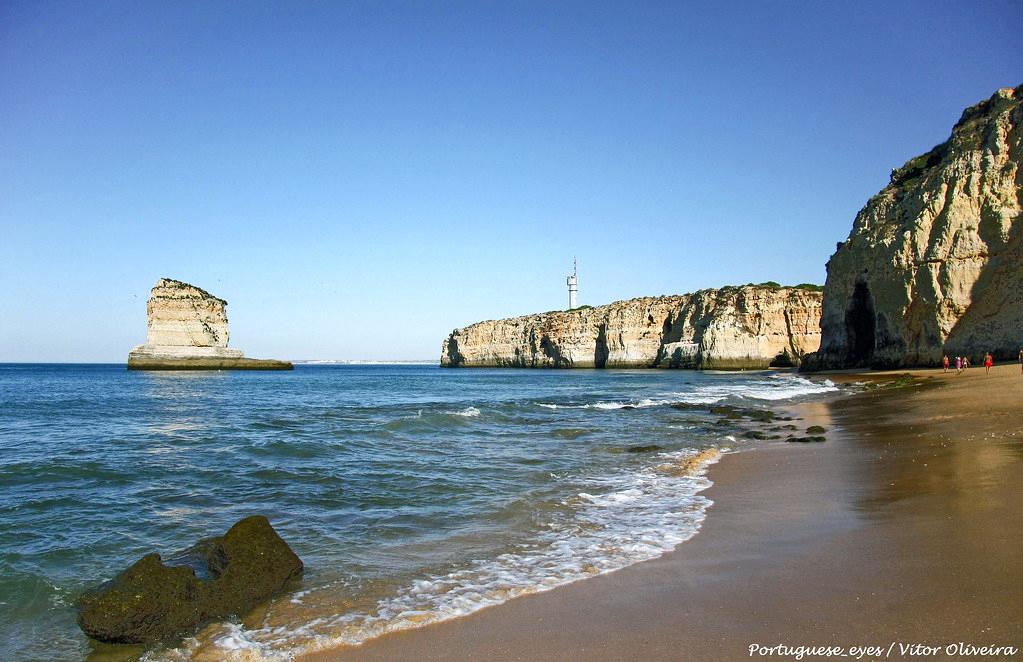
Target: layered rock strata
747	327
934	262
187	330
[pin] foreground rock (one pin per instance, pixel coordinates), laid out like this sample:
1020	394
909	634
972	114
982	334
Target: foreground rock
187	330
934	262
747	327
151	601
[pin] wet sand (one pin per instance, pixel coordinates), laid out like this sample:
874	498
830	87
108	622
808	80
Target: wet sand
906	526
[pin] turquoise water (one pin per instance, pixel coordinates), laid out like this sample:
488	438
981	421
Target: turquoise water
412	493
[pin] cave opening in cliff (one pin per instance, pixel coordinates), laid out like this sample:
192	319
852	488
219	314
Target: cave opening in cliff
600	351
860	325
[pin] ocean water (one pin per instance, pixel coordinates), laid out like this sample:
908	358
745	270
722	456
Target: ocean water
412	493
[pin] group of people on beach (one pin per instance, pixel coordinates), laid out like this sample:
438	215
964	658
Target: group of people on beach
963	363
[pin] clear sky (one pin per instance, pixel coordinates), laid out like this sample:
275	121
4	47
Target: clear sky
357	179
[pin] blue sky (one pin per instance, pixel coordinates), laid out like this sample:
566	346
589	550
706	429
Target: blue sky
357	179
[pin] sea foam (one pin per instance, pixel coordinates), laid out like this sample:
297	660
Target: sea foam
623	518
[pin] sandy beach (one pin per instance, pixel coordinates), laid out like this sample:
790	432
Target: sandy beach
904	528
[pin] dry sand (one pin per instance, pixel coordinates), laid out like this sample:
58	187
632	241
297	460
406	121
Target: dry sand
906	526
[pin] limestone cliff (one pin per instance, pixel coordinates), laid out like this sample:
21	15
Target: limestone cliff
180	314
934	262
753	326
187	330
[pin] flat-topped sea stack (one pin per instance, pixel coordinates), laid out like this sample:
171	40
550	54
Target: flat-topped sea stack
732	328
187	330
934	262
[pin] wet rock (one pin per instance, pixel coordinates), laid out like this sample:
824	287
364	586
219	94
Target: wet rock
726	411
151	601
652	448
815	429
754	434
760	415
806	440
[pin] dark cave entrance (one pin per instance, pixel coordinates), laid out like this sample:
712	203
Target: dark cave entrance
860	325
600	350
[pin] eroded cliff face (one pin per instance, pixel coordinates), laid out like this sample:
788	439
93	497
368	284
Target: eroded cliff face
179	314
187	330
934	262
747	327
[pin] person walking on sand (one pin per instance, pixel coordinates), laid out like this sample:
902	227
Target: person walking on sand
966	362
944	360
988	362
1021	360
959	365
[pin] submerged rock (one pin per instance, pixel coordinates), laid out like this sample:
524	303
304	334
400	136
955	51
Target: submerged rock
151	601
651	448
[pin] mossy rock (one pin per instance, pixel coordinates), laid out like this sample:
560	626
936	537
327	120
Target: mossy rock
807	439
651	448
726	411
151	601
760	415
815	429
755	434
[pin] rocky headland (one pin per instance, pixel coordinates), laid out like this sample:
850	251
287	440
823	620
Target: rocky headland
934	262
187	330
744	327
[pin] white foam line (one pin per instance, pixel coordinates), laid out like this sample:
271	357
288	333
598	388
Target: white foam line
622	519
468	412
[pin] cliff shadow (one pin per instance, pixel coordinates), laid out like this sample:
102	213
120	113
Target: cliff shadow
993	322
860	327
600	350
455	357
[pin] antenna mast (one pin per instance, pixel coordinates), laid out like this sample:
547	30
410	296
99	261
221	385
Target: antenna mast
573	284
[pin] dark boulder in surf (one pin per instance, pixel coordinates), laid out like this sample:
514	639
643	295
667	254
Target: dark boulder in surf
151	601
652	448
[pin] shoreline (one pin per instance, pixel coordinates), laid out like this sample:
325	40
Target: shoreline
902	527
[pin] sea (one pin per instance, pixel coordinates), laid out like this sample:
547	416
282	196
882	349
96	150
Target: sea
412	493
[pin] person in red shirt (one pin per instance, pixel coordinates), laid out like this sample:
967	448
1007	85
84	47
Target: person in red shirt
988	362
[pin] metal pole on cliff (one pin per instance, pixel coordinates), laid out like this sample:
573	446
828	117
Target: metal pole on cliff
573	285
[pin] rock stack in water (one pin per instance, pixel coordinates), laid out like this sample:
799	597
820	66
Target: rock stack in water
187	330
934	262
151	601
745	327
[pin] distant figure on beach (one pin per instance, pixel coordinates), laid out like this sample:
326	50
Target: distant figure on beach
966	363
944	361
959	365
988	362
1021	360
